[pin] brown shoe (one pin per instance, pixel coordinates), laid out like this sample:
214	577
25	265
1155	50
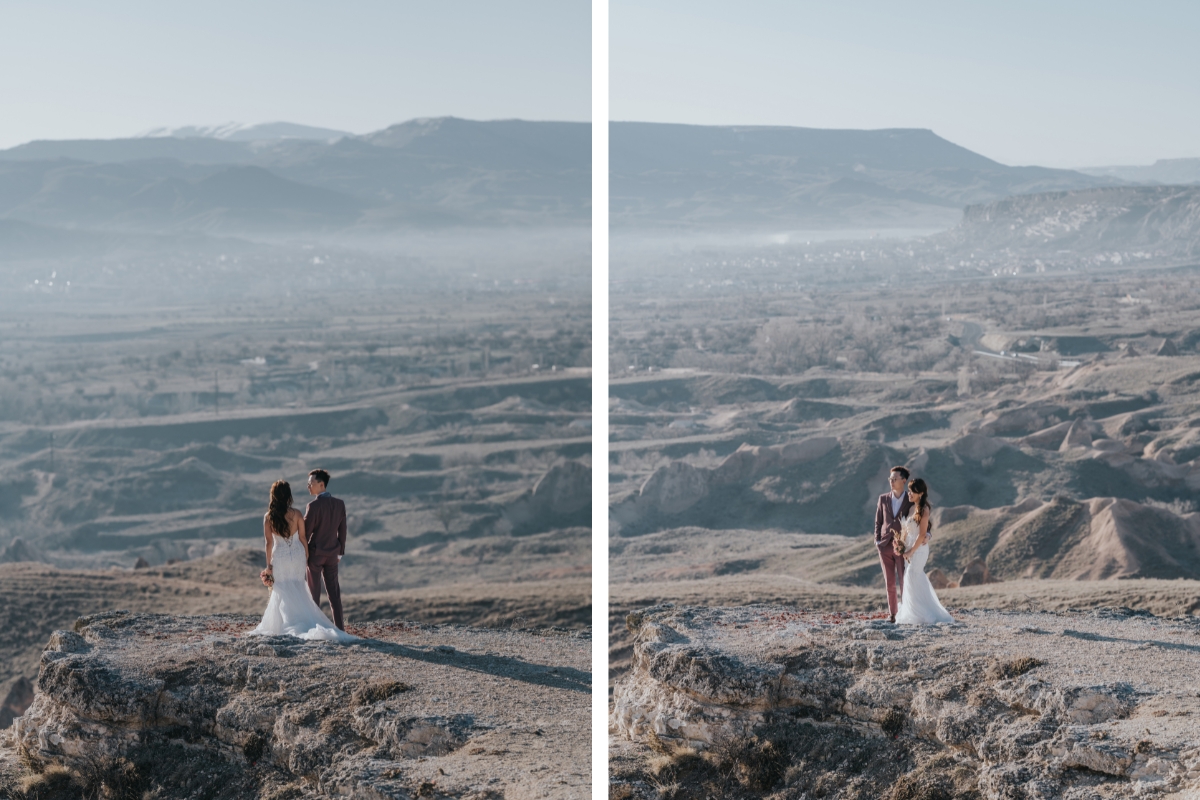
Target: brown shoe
892	618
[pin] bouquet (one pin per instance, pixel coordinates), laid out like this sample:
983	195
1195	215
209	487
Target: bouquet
905	537
267	577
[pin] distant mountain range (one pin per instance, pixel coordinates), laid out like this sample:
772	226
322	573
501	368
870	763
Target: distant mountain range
1165	171
239	132
777	178
286	179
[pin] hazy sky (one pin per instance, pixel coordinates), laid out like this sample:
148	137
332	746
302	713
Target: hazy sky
115	68
1058	83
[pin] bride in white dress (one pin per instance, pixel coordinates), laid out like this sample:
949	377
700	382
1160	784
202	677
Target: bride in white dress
291	610
919	605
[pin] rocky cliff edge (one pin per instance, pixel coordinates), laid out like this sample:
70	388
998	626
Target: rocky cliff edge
145	705
766	701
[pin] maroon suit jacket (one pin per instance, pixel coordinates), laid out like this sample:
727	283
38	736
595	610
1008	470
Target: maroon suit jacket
325	524
886	524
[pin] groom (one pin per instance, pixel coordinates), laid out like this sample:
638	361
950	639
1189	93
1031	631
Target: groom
891	508
325	524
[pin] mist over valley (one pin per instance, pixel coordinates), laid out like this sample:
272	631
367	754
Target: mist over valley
187	318
1033	357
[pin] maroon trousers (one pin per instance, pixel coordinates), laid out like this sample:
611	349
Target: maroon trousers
893	573
323	568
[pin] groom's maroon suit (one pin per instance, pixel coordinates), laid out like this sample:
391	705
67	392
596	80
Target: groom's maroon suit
325	524
886	526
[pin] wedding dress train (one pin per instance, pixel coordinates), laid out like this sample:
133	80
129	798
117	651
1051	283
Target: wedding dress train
291	610
919	605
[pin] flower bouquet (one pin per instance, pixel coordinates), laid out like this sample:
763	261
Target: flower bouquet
267	577
905	537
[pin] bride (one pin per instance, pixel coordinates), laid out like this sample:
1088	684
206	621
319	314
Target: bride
918	603
291	610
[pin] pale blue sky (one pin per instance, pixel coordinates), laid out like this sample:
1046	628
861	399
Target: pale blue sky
118	67
1052	82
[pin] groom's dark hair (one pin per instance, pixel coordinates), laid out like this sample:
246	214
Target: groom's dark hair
904	473
323	476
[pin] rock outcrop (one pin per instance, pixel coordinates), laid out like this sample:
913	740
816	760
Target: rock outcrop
1099	539
975	574
678	486
17	698
561	498
19	550
192	706
998	705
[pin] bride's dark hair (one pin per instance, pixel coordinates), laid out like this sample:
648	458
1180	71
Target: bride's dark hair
281	501
917	485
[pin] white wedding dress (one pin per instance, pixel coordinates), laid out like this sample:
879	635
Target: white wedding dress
291	610
919	605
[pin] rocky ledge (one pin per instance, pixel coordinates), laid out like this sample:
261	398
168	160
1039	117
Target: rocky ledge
144	705
771	701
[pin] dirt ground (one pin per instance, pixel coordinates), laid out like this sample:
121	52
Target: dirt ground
1159	597
36	599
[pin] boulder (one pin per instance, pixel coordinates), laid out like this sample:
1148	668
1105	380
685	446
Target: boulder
975	574
938	579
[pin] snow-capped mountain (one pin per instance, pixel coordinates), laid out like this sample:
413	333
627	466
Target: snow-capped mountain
241	132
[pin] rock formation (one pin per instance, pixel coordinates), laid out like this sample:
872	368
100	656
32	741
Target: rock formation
16	699
938	579
18	550
191	706
1078	435
561	498
975	574
998	705
1167	348
1098	539
679	486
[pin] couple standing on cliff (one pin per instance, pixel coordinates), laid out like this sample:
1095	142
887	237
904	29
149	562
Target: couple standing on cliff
303	552
902	531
